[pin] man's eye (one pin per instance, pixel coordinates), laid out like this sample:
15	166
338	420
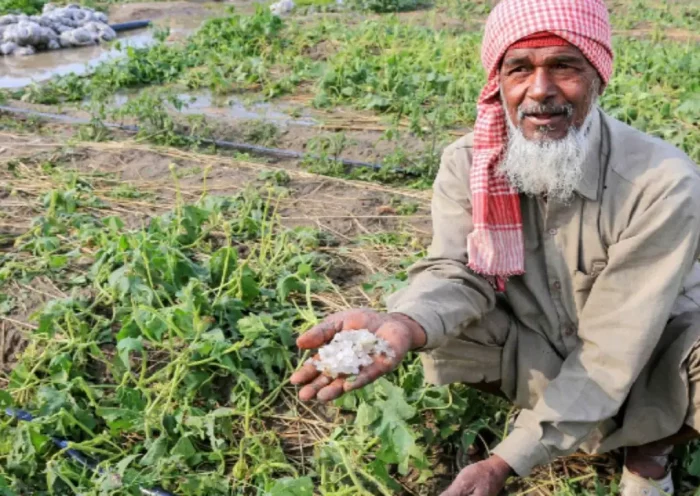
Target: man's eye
515	70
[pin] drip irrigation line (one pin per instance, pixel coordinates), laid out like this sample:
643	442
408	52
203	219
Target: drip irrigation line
230	145
80	458
127	26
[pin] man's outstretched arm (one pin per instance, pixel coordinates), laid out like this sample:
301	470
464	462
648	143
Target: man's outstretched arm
443	293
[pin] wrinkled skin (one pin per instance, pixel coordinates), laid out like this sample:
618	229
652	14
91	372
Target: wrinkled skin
485	478
398	332
547	78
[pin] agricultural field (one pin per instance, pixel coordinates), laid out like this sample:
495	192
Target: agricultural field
154	274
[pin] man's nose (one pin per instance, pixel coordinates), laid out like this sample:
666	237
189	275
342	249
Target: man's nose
542	87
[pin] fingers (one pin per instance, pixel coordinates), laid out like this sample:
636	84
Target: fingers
305	374
320	334
310	391
323	333
371	373
455	490
332	391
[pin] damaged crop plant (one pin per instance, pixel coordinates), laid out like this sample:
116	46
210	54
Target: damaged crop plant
164	343
168	360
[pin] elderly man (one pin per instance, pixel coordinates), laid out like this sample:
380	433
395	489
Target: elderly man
562	272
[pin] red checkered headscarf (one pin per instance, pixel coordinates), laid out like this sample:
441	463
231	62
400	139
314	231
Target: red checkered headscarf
495	246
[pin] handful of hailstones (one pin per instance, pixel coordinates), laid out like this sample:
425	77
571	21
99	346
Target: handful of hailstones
348	351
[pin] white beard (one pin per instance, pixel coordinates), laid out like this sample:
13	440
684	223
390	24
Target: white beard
547	167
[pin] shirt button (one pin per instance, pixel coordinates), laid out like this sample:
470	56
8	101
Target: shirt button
570	330
556	285
552	232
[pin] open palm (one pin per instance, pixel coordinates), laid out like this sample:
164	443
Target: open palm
325	388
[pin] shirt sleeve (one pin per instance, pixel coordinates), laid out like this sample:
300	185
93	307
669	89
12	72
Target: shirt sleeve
443	294
619	327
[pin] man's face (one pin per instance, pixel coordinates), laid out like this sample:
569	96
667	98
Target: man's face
547	90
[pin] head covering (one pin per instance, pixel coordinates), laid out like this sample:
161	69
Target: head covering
495	246
540	40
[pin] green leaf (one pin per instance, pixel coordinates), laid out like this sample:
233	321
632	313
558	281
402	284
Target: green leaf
5	488
366	415
694	467
120	419
114	224
7	304
249	287
127	345
58	261
379	469
124	464
119	280
289	284
39	441
158	449
288	486
184	448
52	400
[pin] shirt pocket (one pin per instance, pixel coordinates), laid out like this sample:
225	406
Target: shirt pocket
582	284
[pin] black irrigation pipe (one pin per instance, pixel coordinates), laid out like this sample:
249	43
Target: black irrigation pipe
230	145
79	457
128	26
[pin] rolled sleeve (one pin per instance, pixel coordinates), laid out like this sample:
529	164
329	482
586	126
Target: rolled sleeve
523	451
428	319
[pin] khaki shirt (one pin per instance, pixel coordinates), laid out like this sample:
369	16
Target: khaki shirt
603	275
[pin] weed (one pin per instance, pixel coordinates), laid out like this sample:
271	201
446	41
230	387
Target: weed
275	176
128	191
381	6
29	7
404	207
260	132
94	131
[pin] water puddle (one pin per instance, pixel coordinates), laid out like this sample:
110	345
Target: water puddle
234	109
16	72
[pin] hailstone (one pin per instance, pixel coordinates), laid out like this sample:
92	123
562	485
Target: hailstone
349	351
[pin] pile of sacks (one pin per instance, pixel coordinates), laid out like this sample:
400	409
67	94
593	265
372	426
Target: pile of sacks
282	7
56	27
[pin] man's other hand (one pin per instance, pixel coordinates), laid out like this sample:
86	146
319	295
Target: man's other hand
486	478
399	331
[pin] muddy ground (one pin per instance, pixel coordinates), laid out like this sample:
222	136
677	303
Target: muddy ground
181	18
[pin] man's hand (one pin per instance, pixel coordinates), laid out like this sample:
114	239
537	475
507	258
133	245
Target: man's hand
487	478
401	332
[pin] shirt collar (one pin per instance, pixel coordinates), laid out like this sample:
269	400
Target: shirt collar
588	187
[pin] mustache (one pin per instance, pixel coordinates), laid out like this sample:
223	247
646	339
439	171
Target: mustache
566	109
